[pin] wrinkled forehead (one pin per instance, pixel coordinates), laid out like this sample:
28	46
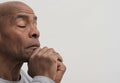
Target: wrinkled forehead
14	7
9	10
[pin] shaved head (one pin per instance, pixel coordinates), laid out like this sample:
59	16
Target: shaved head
9	9
12	7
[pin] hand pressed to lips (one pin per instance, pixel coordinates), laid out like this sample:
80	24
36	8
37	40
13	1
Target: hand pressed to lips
30	48
46	62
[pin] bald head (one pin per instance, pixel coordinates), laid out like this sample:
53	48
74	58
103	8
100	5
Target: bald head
9	9
13	7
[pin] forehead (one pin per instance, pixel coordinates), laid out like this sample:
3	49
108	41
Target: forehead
25	17
13	8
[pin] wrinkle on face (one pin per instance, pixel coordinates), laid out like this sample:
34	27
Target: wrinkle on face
12	38
9	9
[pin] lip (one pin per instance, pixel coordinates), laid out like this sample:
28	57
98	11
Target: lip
34	46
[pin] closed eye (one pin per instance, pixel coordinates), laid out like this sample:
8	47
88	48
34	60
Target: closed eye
21	26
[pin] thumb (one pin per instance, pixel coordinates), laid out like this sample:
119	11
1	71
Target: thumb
60	71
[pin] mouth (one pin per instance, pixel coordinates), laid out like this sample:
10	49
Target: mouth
34	46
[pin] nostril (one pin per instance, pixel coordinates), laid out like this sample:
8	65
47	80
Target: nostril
34	35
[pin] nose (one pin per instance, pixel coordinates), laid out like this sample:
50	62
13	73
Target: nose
34	33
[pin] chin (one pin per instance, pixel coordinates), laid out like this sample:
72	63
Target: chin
24	58
25	55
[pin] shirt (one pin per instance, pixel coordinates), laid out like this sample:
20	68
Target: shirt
27	79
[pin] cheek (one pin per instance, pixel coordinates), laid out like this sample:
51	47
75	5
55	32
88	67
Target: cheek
11	44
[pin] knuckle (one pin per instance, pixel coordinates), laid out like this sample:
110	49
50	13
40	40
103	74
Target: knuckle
51	49
65	68
53	59
45	47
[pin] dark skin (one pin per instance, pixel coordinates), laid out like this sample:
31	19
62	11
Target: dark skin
19	43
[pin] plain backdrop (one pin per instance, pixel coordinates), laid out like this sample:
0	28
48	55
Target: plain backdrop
85	33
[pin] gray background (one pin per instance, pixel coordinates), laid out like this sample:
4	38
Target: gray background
85	33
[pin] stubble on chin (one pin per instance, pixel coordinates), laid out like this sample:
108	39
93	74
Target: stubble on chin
27	54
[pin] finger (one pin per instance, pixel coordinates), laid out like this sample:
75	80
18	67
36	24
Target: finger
61	66
43	50
59	57
60	72
35	52
56	56
52	50
49	51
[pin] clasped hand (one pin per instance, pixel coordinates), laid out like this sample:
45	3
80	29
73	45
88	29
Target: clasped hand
46	62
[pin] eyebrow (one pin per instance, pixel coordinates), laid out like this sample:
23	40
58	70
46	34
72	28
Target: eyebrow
25	17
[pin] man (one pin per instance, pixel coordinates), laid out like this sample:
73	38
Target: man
19	43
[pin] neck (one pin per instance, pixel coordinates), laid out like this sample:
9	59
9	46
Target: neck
10	68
